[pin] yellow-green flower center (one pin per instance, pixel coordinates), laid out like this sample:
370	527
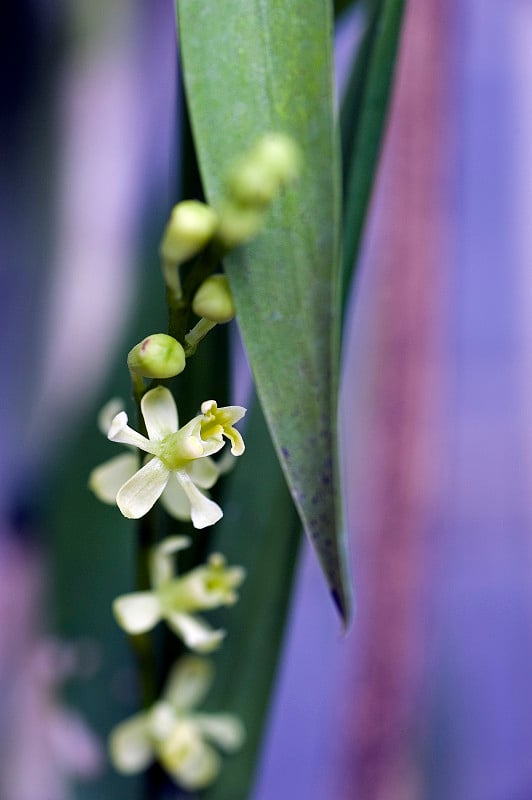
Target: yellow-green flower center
215	422
211	430
177	450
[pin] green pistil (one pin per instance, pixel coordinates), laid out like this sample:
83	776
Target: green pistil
176	450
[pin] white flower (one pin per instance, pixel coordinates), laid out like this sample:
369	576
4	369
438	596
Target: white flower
175	599
179	463
175	734
107	479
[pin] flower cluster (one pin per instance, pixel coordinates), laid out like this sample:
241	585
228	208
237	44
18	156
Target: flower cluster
175	734
175	465
254	182
178	468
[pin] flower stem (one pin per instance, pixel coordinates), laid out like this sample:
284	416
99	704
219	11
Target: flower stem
172	279
179	305
142	644
198	332
137	386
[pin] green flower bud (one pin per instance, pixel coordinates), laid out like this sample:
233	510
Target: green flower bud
214	300
238	223
253	184
157	356
273	162
190	227
281	155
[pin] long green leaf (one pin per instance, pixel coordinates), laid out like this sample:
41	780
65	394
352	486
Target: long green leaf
250	67
261	531
363	119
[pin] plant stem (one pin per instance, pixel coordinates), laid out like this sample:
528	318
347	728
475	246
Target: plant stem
198	332
179	306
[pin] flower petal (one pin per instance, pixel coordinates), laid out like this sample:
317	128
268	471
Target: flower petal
237	442
140	492
137	612
130	748
204	472
218	421
205	447
106	480
225	463
189	681
162	563
224	730
226	414
108	413
161	720
174	500
159	412
196	634
188	759
203	512
121	432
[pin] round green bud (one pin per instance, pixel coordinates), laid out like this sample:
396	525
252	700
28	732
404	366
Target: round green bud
253	183
190	227
157	356
214	300
274	161
281	155
238	223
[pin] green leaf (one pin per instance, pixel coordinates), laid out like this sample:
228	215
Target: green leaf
92	561
342	5
251	67
363	118
94	550
261	531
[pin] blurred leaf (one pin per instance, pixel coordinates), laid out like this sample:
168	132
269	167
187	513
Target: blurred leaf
252	67
363	117
342	5
94	549
260	530
93	561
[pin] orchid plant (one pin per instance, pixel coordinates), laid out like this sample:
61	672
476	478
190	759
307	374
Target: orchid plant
258	238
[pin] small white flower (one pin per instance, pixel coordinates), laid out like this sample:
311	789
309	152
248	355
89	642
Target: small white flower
177	735
176	599
179	463
107	479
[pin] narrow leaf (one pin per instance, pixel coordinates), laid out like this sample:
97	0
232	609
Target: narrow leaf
363	119
251	67
260	531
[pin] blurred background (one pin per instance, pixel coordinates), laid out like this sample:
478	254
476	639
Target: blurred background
430	693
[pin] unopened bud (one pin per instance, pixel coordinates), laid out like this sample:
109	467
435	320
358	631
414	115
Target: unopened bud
157	356
214	300
238	223
281	154
274	161
253	184
190	227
